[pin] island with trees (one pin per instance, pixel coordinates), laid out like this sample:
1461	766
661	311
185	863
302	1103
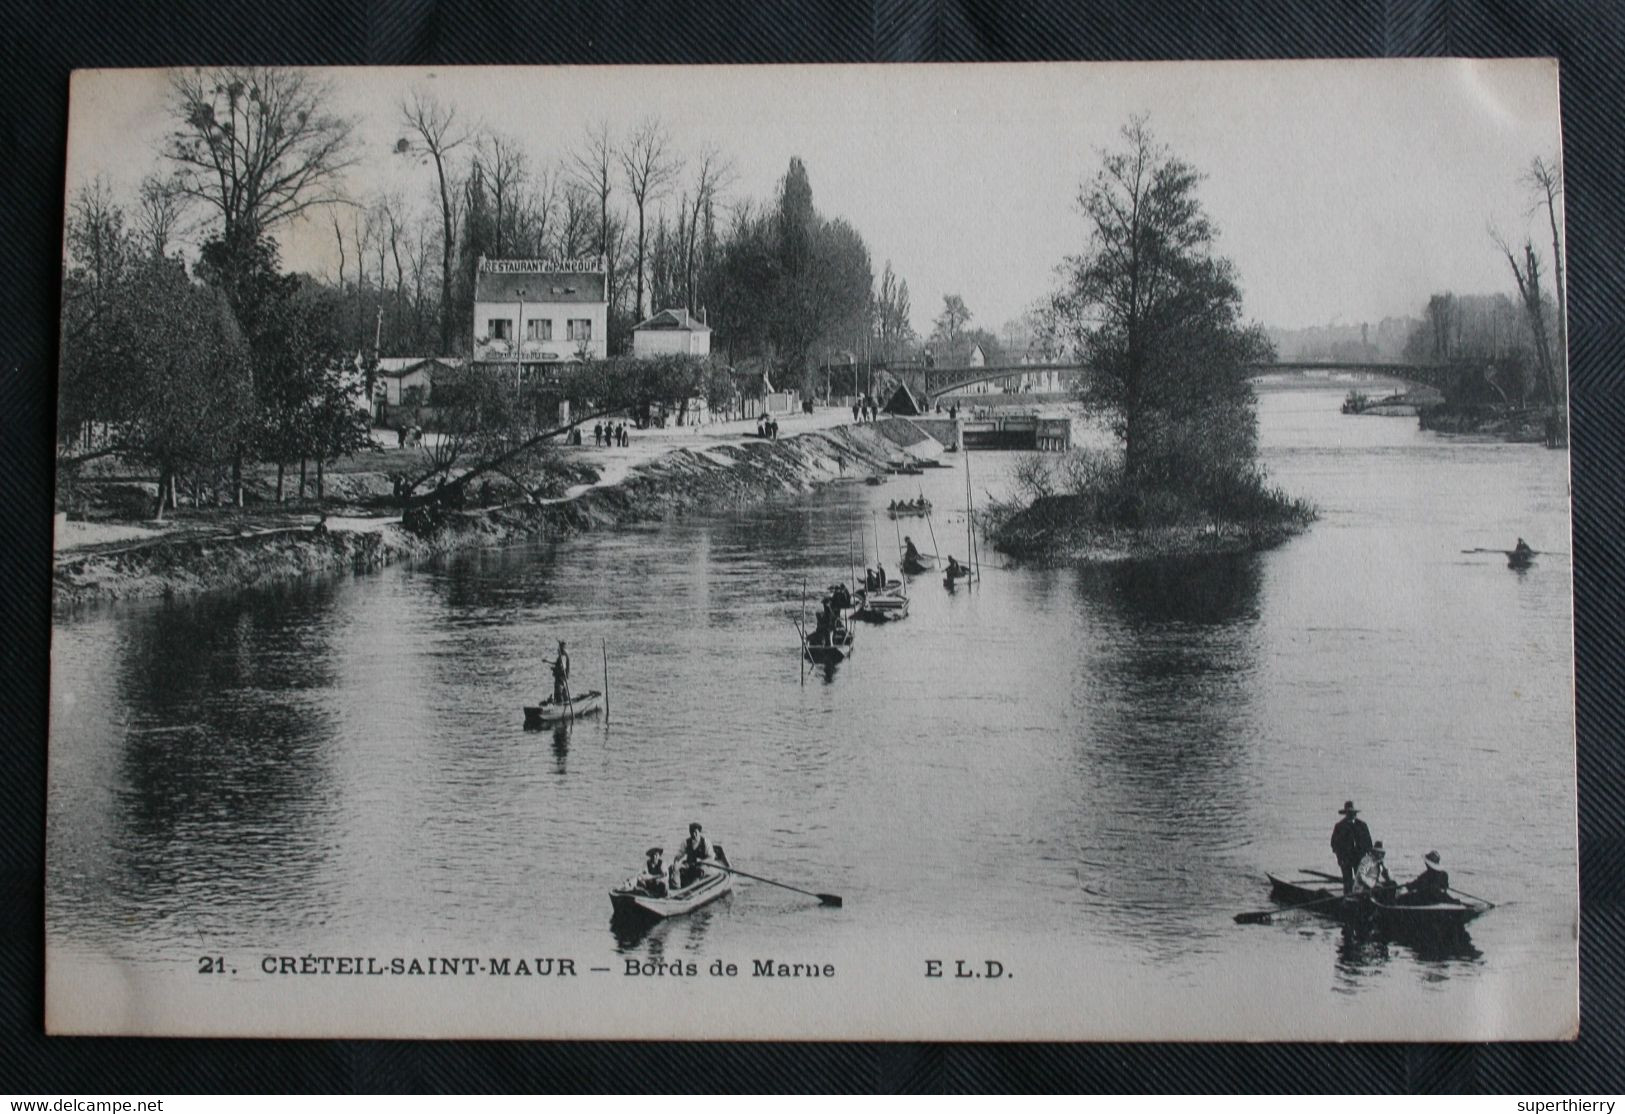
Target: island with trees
1155	313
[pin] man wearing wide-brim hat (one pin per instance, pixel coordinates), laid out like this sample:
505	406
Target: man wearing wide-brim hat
1432	886
1351	839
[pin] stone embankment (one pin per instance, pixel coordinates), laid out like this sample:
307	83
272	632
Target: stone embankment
687	480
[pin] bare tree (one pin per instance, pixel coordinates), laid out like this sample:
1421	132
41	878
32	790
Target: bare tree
1528	279
338	234
650	166
162	207
256	145
503	164
544	203
575	216
1546	178
438	133
592	167
713	173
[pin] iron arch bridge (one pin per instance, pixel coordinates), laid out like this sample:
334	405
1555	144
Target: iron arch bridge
933	383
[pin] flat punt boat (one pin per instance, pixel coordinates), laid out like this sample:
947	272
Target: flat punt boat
914	566
830	653
881	607
629	901
909	509
540	715
1393	916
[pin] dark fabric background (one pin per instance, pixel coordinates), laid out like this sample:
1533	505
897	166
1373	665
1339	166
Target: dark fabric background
44	40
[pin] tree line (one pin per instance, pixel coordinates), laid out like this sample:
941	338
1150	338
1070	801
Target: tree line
199	367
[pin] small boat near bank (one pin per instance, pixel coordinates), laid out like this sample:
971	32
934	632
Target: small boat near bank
1327	899
909	508
629	901
549	712
881	605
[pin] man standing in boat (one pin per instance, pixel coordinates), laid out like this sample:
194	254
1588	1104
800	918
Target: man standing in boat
561	676
1351	839
695	853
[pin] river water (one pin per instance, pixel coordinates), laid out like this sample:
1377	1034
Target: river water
1086	771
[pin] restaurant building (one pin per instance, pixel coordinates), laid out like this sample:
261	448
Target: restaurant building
535	312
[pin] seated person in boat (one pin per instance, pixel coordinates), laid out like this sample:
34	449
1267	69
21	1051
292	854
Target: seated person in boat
653	879
695	855
1431	887
1371	876
840	596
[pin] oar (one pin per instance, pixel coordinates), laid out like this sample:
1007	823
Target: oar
1263	916
823	899
1464	893
1320	874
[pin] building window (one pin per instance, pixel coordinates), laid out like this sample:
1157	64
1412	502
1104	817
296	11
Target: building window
539	328
581	328
500	328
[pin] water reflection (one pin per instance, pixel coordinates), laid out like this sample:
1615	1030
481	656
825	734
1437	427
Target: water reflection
658	935
1363	950
1170	721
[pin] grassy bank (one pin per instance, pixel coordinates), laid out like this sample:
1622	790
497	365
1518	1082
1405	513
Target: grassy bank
1101	515
229	555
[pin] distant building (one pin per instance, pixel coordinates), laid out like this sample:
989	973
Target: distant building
539	311
976	358
671	331
409	380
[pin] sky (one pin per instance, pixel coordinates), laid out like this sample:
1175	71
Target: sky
1344	191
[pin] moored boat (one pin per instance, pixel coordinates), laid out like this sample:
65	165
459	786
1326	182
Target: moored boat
540	715
1393	915
882	606
837	649
629	901
910	508
914	566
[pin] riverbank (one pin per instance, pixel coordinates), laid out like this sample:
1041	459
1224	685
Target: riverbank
687	473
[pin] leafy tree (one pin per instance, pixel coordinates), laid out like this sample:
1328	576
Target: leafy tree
170	371
1155	313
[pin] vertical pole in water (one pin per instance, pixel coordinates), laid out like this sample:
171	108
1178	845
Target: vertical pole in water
970	546
605	646
803	629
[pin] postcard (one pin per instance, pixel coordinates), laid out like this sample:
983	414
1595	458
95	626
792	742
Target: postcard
953	552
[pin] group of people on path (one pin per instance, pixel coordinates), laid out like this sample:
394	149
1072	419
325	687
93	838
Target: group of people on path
767	428
687	867
864	409
609	433
1365	869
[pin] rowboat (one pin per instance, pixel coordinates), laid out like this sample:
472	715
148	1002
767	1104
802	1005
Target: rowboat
914	566
1390	915
874	481
540	715
909	509
629	901
882	606
837	650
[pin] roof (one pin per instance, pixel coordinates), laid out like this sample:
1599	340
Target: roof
672	319
399	367
513	280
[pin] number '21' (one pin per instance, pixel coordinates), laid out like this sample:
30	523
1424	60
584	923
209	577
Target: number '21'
211	965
